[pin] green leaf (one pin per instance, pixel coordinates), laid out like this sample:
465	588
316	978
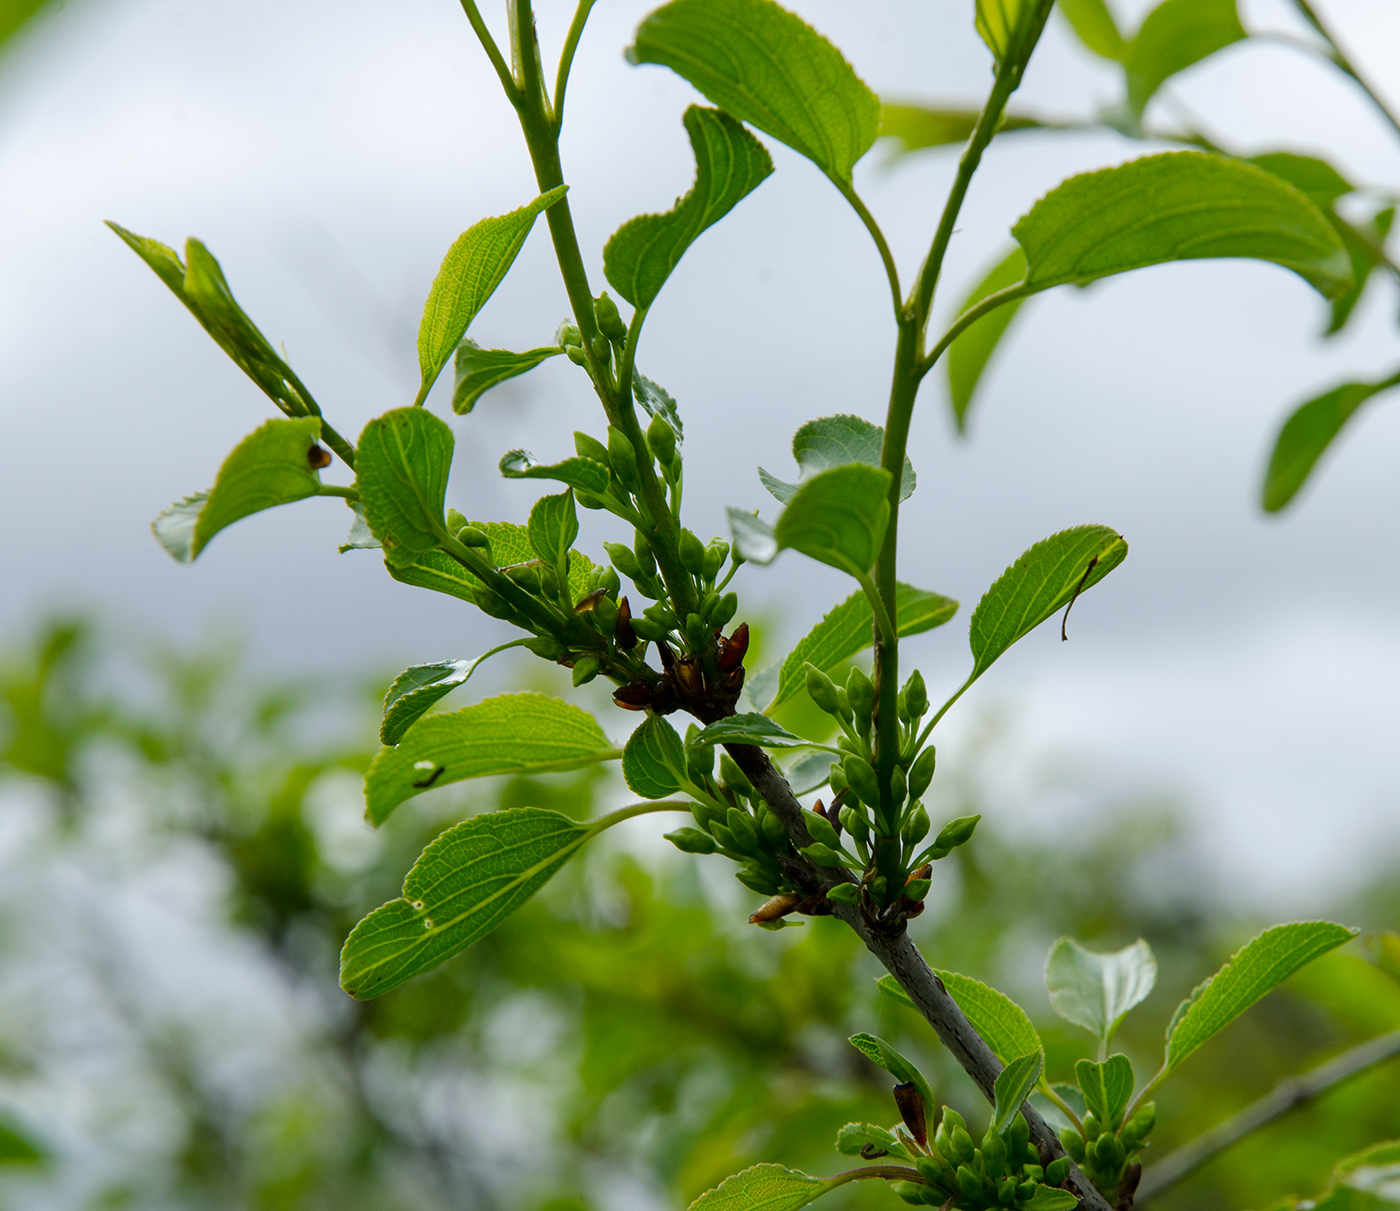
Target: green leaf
809	773
1046	578
729	164
838	518
553	528
204	290
762	1188
749	729
1048	1198
855	1136
361	537
1174	36
657	401
401	469
1307	174
919	126
472	269
463	885
579	472
769	68
877	1051
653	763
1094	25
16	1148
510	734
1259	968
1001	1022
1362	242
1003	25
1182	205
969	353
835	441
847	630
1013	1086
421	686
477	370
174	525
1368	1180
1095	991
510	544
1306	435
1107	1088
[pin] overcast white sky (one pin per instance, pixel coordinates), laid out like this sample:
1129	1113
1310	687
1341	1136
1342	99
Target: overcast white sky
329	153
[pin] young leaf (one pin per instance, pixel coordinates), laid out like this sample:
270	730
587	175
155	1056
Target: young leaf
838	518
401	470
1013	1086
855	1136
835	441
204	290
510	544
1049	1198
969	353
1306	435
1260	967
421	686
1095	991
1045	579
653	763
361	537
509	734
769	68
1094	26
1323	184
463	885
657	401
581	473
762	1188
472	269
477	370
1003	25
1107	1088
729	164
1181	205
917	126
809	772
553	528
174	525
1174	36
847	630
877	1051
749	729
1001	1022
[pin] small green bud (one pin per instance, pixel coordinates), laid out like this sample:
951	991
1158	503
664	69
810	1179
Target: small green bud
576	355
525	576
1034	1173
822	855
623	560
1139	1127
836	779
607	579
716	552
863	782
1026	1190
609	322
860	690
916	826
691	841
706	814
741	827
899	787
773	831
877	887
1057	1170
473	536
1017	1137
621	455
661	439
590	447
1102	1150
957	832
605	615
854	823
725	609
641	548
547	648
916	695
917	889
1074	1145
455	520
1006	1191
994	1153
720	832
820	829
568	334
844	893
586	668
697	634
969	1185
602	350
733	776
961	1145
901	709
843	704
692	553
586	500
921	772
910	1192
649	630
821	689
1092	1129
757	879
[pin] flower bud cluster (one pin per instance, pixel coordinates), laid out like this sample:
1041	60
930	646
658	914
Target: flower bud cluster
1110	1158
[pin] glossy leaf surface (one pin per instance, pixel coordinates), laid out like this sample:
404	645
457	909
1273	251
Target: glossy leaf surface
996	1017
553	528
762	1188
769	68
509	734
1043	581
877	1051
855	1136
477	370
463	885
472	269
578	472
835	441
402	466
970	352
420	687
1107	1088
1182	205
749	729
1256	970
838	518
653	763
1095	991
729	164
1013	1086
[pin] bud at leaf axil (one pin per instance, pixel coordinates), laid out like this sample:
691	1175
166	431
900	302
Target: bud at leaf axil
821	689
692	841
921	772
609	321
661	438
621	455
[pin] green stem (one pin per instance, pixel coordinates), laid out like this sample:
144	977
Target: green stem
1009	294
1340	59
637	809
493	52
1063	1106
566	59
943	710
887	258
337	490
894	1173
479	566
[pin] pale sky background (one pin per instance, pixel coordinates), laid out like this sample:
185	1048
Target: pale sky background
329	153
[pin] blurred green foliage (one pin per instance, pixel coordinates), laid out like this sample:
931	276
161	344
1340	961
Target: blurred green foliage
626	1039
